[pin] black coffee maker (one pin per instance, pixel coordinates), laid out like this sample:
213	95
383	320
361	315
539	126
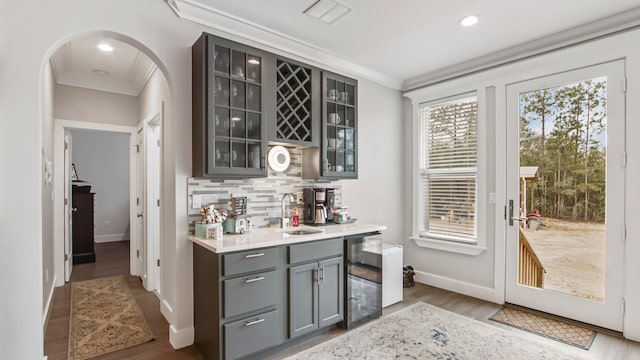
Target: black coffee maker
318	206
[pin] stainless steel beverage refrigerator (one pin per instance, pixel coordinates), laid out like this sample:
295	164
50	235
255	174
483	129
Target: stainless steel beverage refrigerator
363	279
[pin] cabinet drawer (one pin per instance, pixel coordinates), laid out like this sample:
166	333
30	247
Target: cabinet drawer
315	250
248	261
248	293
250	335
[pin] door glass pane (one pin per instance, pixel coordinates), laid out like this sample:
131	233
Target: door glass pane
253	97
221	122
237	124
563	133
237	94
221	153
253	126
255	153
238	154
253	68
221	91
221	59
238	64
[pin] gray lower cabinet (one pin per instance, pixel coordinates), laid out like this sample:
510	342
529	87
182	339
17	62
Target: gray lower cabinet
250	302
316	292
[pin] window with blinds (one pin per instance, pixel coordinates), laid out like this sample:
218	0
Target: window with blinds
448	169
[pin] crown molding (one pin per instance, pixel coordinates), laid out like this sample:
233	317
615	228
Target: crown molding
141	71
256	35
598	29
97	82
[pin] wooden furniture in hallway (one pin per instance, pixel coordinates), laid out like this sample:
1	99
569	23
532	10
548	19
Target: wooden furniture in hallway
82	227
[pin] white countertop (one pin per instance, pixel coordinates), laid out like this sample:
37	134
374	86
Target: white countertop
265	237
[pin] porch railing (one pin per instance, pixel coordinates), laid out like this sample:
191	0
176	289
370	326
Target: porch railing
530	269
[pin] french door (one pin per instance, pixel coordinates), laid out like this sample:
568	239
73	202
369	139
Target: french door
565	194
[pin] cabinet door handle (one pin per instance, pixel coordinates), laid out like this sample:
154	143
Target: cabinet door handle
254	279
254	255
254	322
322	277
316	275
74	209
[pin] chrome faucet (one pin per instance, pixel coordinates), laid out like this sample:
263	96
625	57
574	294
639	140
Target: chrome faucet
284	219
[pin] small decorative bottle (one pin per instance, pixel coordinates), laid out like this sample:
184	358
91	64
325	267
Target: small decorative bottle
296	218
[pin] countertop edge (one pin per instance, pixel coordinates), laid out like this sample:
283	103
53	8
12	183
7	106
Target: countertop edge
261	238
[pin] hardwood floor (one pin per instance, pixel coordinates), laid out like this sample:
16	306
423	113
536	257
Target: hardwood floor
113	259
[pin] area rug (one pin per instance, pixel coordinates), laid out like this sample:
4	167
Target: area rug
422	331
546	326
104	318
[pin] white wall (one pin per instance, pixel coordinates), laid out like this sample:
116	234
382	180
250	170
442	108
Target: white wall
48	94
484	275
376	197
80	104
102	158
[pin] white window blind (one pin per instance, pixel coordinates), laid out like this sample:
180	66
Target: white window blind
448	169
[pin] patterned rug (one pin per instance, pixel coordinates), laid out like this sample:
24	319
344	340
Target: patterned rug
571	334
422	331
104	318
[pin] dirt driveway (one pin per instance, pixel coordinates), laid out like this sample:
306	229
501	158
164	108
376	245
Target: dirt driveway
573	254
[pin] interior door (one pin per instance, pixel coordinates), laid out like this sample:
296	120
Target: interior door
565	194
141	244
68	241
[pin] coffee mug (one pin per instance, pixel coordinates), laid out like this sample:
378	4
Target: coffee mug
328	166
334	118
339	168
332	142
332	94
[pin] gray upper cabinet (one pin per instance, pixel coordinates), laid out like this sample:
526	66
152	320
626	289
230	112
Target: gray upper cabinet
337	156
228	125
297	104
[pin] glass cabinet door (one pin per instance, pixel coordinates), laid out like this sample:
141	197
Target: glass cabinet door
236	143
339	148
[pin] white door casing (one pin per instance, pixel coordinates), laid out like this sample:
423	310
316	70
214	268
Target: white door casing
609	313
140	245
68	218
152	175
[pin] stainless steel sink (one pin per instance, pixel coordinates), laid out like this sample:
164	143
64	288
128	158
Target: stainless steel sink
301	232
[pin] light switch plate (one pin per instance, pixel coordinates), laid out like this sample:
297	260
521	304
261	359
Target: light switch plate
299	198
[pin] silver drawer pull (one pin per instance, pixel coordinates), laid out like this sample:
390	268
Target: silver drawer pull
254	255
254	322
254	279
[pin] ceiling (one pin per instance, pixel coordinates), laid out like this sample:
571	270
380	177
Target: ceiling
399	40
80	63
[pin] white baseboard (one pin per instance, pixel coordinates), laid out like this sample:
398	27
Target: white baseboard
460	287
47	308
167	311
181	338
111	238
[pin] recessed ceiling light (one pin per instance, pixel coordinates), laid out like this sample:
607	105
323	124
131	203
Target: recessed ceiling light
468	20
100	72
105	47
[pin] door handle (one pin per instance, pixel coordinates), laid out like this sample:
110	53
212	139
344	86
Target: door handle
139	215
253	255
511	218
254	279
321	277
74	209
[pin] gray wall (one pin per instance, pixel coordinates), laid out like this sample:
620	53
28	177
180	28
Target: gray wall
376	196
74	103
102	158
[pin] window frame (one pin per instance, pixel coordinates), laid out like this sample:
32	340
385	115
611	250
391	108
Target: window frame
485	108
